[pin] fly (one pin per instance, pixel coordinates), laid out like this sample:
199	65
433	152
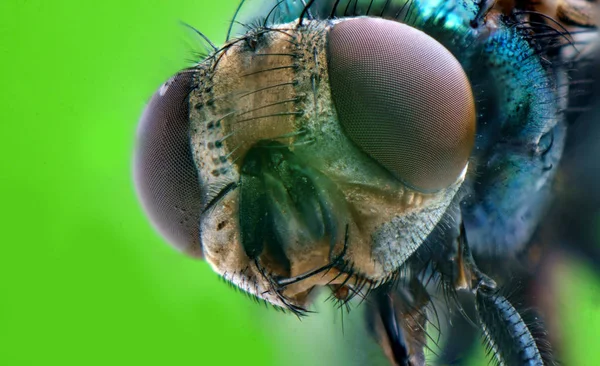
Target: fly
387	150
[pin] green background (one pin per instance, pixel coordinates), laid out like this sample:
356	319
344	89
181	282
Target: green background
84	280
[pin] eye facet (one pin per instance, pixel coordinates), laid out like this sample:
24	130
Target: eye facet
166	178
403	99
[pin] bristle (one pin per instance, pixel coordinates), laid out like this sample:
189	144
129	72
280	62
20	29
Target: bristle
204	37
275	7
233	20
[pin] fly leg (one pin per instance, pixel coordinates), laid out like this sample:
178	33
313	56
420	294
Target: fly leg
510	339
396	317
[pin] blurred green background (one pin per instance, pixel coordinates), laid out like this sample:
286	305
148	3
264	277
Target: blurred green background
84	279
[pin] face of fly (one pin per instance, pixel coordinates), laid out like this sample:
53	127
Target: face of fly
320	162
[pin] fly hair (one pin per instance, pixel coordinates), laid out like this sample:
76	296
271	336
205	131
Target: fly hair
204	37
233	20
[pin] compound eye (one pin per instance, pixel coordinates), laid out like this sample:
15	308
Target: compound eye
403	99
165	176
